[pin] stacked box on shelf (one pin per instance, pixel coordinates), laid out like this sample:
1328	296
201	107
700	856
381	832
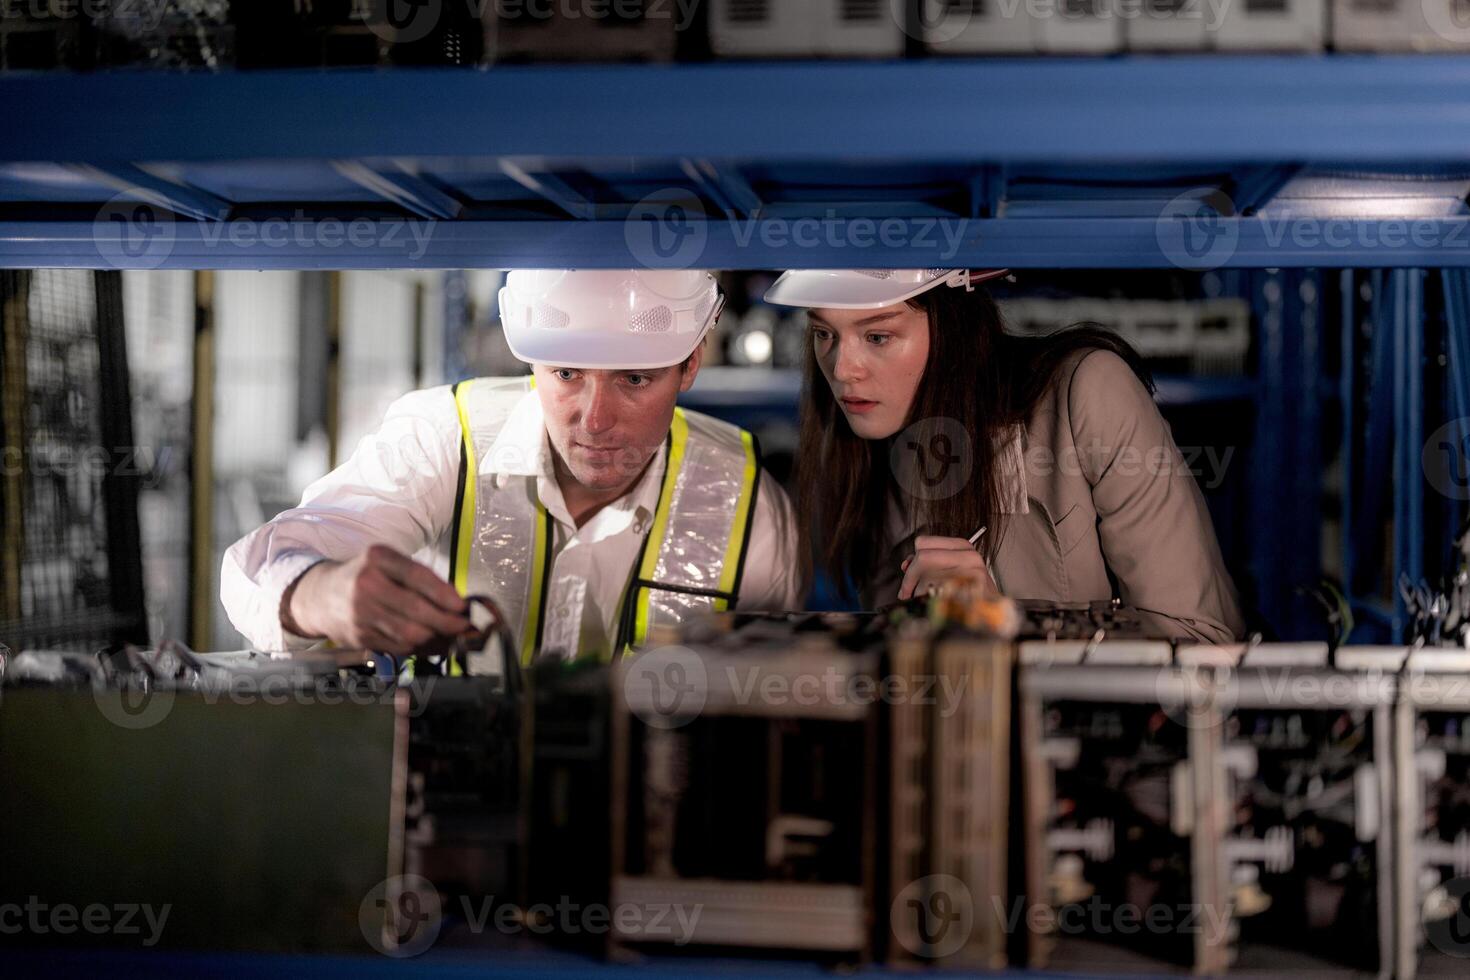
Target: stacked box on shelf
976	27
1253	785
45	34
1169	25
833	28
1111	804
1239	25
1162	330
1222	336
288	33
1080	27
642	31
1205	336
1305	789
1432	753
948	798
347	33
221	740
738	791
1272	25
565	790
188	34
1400	25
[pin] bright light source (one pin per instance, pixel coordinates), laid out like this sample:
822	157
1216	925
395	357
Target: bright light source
756	347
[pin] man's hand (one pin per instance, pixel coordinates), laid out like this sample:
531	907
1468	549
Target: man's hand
380	600
936	560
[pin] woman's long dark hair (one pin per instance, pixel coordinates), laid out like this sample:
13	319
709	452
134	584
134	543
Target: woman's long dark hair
978	376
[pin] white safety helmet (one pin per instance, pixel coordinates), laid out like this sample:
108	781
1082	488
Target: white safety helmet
622	319
866	289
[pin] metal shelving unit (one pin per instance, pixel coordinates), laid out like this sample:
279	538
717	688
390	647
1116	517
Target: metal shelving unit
1033	162
1266	167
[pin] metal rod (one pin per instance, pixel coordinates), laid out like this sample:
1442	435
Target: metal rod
201	476
1348	398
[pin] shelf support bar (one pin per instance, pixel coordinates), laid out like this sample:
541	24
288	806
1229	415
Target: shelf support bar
135	182
551	187
407	190
1257	189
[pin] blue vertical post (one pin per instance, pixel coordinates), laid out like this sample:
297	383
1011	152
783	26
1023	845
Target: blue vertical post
1347	396
1414	435
1304	347
1456	287
1408	415
1273	460
1379	437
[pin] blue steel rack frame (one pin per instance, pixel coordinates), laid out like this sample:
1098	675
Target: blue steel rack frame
1041	162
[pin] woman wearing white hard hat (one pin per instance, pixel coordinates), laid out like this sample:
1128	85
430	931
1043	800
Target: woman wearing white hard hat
934	445
590	508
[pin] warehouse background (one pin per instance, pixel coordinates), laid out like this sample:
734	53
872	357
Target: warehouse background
246	386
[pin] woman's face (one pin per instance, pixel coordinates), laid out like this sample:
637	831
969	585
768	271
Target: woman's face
873	359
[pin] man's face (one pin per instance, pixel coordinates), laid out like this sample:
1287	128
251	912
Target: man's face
606	425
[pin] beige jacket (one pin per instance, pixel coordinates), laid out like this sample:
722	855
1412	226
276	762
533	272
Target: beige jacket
1095	484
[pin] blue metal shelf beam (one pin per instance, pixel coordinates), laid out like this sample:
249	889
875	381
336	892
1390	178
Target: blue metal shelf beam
1269	109
1027	162
1111	243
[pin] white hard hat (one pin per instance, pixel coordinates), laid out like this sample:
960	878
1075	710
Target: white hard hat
866	289
623	319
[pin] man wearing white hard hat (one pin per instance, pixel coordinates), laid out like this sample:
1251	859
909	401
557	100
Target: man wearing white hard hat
579	498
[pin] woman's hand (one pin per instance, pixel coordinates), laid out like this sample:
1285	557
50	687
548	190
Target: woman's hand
936	560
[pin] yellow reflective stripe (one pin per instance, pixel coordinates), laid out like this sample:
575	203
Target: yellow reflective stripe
467	506
742	518
539	558
679	433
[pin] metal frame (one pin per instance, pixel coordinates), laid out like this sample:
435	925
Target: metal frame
201	475
821	238
788	167
1202	108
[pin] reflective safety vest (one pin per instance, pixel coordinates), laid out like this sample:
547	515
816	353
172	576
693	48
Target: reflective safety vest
692	555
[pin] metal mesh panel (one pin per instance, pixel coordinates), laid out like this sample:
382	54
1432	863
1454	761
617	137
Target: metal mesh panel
876	273
545	317
657	320
60	475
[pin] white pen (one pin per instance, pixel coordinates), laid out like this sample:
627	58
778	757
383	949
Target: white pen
974	540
